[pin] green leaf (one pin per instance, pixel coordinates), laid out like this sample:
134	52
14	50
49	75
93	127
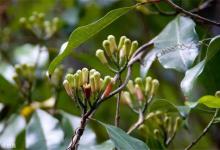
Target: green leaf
168	107
164	106
175	47
217	120
107	145
147	62
14	126
190	78
9	94
82	34
43	132
122	140
177	44
192	74
210	101
184	110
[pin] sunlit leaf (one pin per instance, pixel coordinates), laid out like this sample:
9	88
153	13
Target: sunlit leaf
190	77
82	34
175	47
192	74
210	101
14	126
43	132
147	62
177	44
107	145
122	140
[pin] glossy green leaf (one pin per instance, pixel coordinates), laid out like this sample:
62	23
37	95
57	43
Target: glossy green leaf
190	78
14	127
175	47
43	132
177	44
9	94
107	145
82	34
210	101
147	62
122	140
192	74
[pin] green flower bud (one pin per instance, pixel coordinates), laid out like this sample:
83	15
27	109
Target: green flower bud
167	121
148	85
55	20
41	16
32	19
122	56
70	79
85	75
22	20
121	42
91	72
157	133
217	94
92	83
150	115
155	85
127	98
47	24
101	56
97	81
67	87
113	45
106	81
79	72
76	81
106	45
134	47
177	123
139	93
139	81
130	87
127	46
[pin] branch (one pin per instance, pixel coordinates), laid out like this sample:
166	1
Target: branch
202	6
204	131
195	16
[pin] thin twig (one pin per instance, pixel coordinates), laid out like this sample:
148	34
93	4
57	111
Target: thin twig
204	131
138	123
195	16
202	6
117	112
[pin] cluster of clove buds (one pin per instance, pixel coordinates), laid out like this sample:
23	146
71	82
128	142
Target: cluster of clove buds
40	27
116	56
87	86
161	125
140	92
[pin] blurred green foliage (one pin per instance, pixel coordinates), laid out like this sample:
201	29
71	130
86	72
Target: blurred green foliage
20	45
